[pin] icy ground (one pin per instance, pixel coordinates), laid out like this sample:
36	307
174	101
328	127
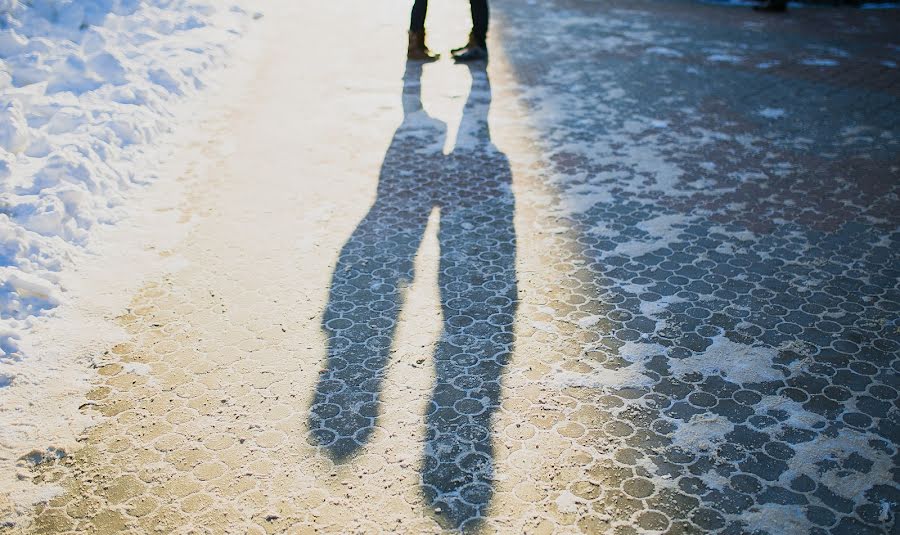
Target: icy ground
638	275
88	88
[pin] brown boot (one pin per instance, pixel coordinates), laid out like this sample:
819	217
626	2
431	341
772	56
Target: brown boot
417	49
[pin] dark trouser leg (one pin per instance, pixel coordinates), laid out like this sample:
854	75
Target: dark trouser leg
777	6
417	17
479	21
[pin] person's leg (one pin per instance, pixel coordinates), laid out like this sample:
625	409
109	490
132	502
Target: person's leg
480	17
417	49
476	48
417	16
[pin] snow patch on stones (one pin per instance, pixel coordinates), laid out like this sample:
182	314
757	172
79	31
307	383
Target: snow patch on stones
738	363
603	378
568	503
653	309
797	416
582	198
819	62
663	51
772	113
825	459
703	432
724	58
775	518
661	231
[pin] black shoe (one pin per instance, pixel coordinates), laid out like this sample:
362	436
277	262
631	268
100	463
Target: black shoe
471	42
772	6
471	53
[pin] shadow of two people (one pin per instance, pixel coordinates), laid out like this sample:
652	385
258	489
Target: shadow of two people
471	189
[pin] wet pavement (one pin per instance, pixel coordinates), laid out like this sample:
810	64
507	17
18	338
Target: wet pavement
648	284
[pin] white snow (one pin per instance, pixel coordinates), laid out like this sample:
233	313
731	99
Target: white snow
772	113
702	432
724	58
797	416
136	368
568	502
84	126
602	229
809	460
661	230
639	352
739	363
741	235
663	51
884	513
774	518
652	309
603	378
544	326
819	62
87	89
582	198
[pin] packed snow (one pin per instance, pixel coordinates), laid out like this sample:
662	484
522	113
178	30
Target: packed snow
87	87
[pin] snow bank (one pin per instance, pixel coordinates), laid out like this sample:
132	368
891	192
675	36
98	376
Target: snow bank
86	89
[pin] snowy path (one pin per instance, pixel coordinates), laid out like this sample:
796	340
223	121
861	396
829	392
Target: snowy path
94	99
635	304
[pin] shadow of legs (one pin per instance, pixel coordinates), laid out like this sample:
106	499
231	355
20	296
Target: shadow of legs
366	288
359	320
477	283
478	296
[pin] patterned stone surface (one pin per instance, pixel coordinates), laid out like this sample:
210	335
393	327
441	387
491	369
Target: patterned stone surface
658	294
733	238
471	189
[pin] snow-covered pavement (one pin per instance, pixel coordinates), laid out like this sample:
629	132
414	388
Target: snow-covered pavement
88	89
637	275
96	98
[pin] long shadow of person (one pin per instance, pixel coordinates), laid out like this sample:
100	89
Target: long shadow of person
477	282
477	279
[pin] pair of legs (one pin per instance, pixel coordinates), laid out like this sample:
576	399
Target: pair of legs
474	50
480	17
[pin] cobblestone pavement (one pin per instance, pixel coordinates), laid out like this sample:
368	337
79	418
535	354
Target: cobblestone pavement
659	293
